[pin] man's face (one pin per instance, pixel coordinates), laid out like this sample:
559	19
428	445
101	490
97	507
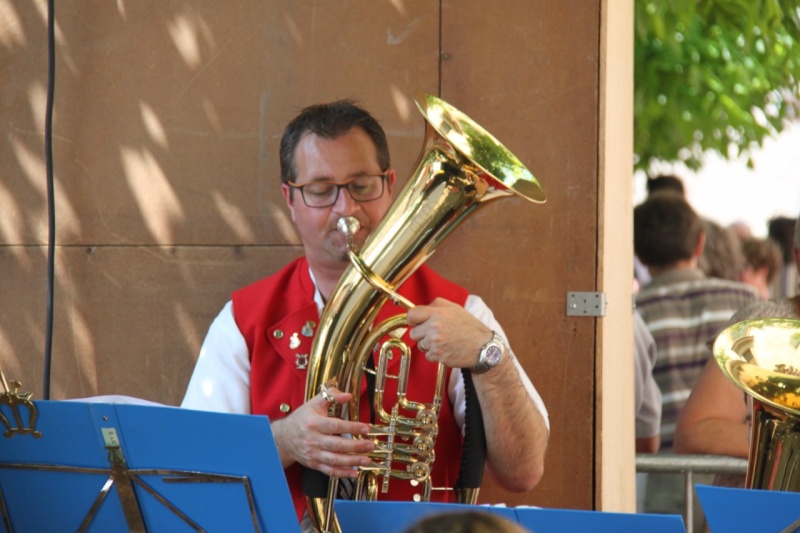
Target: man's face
337	161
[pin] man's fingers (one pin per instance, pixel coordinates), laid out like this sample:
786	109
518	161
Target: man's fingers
340	445
332	394
342	456
337	426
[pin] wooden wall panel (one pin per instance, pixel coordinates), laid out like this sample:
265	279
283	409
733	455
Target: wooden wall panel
527	71
129	320
615	463
167	122
168	114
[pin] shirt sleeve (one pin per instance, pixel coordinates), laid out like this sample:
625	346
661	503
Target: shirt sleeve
221	378
478	308
647	396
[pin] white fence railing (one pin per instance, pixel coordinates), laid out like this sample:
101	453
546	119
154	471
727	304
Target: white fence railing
687	465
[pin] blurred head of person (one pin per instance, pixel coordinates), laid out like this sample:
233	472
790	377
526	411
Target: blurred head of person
762	264
667	233
782	231
741	230
465	522
722	254
665	182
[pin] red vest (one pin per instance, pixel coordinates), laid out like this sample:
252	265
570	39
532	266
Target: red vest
278	317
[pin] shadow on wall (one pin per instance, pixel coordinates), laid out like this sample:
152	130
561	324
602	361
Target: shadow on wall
167	118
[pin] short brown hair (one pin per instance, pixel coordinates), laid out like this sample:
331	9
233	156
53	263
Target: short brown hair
330	121
665	182
665	229
759	253
722	254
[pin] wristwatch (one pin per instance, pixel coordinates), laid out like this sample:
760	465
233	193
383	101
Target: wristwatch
491	355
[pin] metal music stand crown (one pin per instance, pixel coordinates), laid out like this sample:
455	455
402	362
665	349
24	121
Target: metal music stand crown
104	467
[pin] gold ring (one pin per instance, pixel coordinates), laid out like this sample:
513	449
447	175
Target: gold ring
327	396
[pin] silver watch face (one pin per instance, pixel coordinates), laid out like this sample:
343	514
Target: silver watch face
493	355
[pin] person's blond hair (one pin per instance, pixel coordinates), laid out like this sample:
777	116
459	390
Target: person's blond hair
465	522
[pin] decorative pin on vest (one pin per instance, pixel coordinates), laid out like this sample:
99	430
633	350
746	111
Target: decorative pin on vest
294	342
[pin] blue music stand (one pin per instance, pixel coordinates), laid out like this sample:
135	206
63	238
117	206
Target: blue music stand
395	517
746	510
564	520
102	467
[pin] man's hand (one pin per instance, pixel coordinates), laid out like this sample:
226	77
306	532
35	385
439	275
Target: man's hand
516	431
312	438
447	333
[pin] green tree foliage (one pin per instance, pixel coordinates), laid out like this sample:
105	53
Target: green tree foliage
719	75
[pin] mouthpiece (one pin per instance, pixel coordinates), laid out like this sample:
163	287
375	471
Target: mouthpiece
348	226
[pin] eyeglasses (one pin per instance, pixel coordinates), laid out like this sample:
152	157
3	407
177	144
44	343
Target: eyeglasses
325	193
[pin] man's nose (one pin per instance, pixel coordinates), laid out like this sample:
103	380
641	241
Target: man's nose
344	202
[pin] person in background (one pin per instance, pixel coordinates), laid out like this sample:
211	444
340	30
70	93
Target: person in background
647	397
715	417
683	309
657	184
782	231
763	263
665	182
722	253
647	400
465	522
741	230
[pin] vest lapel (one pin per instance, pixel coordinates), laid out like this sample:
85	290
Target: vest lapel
292	336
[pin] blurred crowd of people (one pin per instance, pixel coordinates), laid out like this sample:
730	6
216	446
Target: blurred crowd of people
692	278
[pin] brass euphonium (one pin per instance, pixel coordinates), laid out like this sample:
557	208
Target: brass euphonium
461	166
762	357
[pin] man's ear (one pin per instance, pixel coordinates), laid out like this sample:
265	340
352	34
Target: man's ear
391	180
288	198
701	243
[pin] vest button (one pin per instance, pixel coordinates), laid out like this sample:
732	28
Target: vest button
278	334
285	408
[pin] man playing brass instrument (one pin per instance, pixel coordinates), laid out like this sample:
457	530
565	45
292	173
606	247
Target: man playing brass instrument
335	163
